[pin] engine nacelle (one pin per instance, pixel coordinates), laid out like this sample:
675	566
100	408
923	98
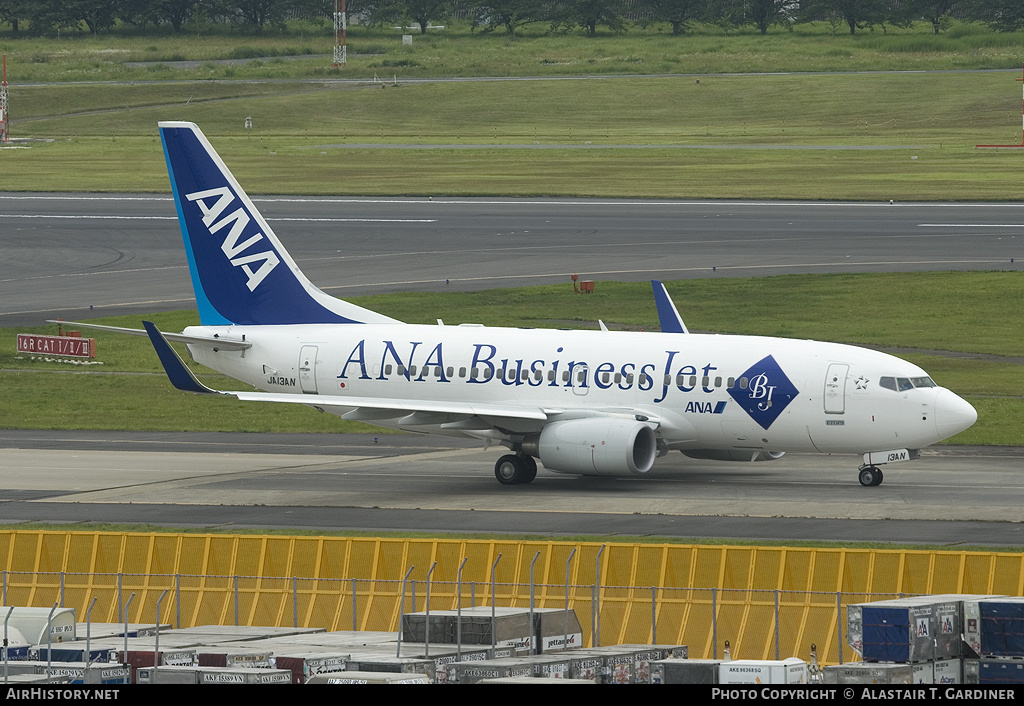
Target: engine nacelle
596	446
733	454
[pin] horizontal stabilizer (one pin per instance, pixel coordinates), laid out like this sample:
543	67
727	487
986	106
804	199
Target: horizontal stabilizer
223	344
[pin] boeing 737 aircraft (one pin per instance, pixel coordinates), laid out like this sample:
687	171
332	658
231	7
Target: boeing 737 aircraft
580	402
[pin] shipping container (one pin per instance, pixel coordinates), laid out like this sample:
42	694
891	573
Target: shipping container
763	671
869	673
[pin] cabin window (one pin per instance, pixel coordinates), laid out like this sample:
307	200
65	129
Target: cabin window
618	378
462	372
705	381
551	375
743	383
629	378
718	382
401	370
606	378
732	383
565	376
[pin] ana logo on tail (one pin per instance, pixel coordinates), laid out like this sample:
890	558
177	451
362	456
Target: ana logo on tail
239	219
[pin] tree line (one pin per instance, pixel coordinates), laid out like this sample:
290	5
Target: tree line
41	17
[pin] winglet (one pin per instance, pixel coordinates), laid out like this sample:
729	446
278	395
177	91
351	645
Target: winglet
181	377
671	321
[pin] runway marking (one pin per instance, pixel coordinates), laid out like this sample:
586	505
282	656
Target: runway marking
174	218
542	201
705	268
970	225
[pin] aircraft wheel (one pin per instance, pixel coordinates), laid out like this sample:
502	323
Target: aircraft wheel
529	468
510	470
870	476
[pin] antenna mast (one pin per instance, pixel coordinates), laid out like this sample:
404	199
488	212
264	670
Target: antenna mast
340	32
4	117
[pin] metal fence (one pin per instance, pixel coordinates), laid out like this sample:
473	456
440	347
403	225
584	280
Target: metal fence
754	624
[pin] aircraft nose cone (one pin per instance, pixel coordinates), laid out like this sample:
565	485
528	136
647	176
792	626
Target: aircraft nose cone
952	414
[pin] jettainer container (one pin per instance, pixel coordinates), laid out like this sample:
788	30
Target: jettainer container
869	673
763	671
994	626
213	675
356	677
907	629
685	671
552	628
31	622
994	670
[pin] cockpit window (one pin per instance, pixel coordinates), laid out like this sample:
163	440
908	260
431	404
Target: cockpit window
901	384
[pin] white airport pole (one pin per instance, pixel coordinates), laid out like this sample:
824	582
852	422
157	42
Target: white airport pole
156	647
88	631
49	640
401	611
426	637
5	118
533	628
565	634
494	566
126	604
9	611
458	618
340	34
1021	79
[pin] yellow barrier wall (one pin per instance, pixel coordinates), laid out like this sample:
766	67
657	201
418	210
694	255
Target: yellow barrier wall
696	593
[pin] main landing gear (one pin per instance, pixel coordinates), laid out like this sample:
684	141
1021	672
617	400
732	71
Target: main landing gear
870	476
513	469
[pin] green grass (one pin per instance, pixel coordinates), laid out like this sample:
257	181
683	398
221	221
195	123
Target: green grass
129	391
459	51
929	123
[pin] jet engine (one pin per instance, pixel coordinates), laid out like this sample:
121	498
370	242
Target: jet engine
595	446
734	454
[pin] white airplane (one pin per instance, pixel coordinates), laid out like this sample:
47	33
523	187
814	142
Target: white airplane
581	402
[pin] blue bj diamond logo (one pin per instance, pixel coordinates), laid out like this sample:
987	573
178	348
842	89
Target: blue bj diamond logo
767	393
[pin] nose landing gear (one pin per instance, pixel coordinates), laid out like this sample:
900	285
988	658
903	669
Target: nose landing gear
869	476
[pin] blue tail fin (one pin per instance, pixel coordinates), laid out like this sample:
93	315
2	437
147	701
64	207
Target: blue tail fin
671	321
240	271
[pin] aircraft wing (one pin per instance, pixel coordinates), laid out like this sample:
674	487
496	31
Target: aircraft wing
223	344
361	407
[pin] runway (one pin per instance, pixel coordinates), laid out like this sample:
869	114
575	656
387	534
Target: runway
952	496
81	255
76	256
